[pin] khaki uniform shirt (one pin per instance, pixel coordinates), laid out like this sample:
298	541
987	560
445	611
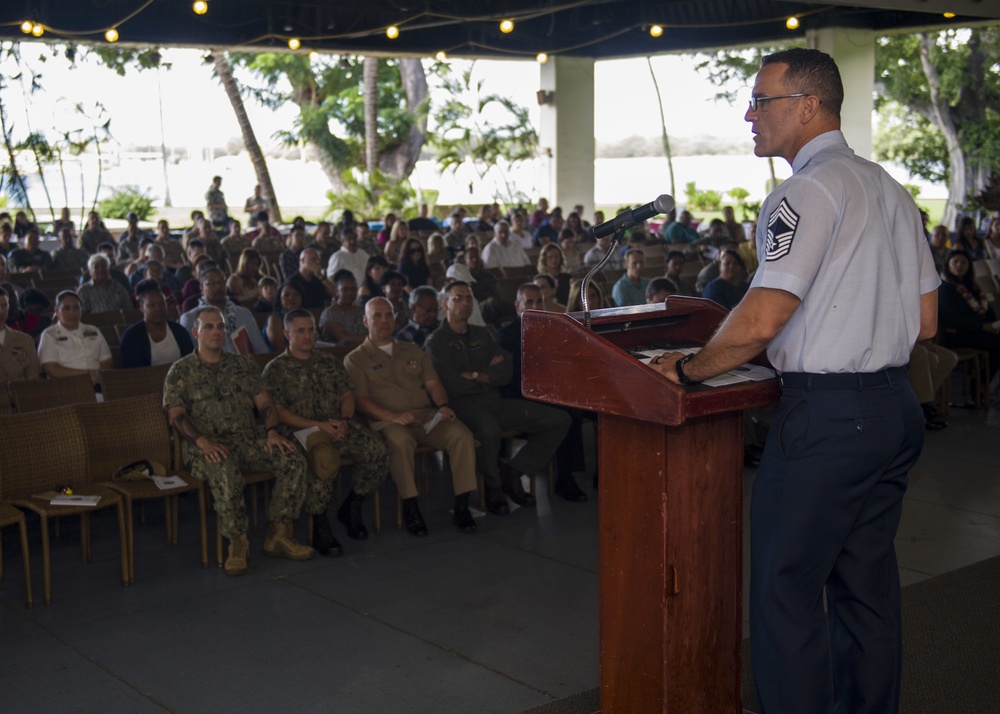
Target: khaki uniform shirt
18	359
393	382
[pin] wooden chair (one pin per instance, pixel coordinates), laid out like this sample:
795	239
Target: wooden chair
110	334
124	432
127	383
10	516
975	366
50	393
43	452
102	319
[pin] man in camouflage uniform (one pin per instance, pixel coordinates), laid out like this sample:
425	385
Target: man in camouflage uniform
312	389
210	397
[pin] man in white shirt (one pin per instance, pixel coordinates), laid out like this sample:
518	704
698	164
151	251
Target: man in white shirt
501	252
349	257
69	348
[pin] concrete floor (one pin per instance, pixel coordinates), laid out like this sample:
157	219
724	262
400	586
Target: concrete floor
500	621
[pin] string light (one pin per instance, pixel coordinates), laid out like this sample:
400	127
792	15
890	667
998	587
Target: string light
392	32
294	44
37	30
313	56
441	56
200	7
542	58
26	27
507	26
111	35
792	23
949	15
656	30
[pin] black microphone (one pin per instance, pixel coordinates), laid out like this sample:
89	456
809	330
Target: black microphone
626	219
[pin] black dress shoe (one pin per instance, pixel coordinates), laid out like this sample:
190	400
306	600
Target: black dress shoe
323	541
414	521
349	514
567	488
496	502
463	520
510	481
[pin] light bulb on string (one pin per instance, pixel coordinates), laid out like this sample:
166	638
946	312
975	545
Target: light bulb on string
542	58
949	15
792	23
200	7
441	56
507	26
37	30
656	30
392	32
293	43
27	26
111	35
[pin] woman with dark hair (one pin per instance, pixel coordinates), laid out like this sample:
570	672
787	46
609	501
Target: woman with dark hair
372	286
992	242
344	322
290	298
70	347
968	240
730	287
413	264
154	339
964	315
394	286
242	285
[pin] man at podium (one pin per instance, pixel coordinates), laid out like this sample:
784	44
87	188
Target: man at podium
846	286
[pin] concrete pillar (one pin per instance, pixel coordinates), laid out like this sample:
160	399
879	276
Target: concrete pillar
854	52
566	140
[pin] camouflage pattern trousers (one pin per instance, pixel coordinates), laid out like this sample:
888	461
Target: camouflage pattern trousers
370	460
226	481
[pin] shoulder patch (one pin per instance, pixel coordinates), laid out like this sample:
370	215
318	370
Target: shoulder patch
781	230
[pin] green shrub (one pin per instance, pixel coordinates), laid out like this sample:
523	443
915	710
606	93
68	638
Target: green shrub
124	201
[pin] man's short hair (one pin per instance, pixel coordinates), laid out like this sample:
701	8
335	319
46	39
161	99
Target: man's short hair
348	231
419	293
634	251
292	315
455	284
501	224
262	216
206	269
202	309
657	285
106	246
675	254
812	72
342	275
390	275
524	287
145	287
196	243
267	280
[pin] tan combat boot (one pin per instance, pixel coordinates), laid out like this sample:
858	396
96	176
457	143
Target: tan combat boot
280	543
239	548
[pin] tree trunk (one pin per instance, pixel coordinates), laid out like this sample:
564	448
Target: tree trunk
663	128
401	161
371	114
330	169
225	73
943	118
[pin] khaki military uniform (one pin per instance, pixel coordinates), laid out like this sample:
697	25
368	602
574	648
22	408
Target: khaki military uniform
173	252
313	389
396	382
18	359
234	247
219	401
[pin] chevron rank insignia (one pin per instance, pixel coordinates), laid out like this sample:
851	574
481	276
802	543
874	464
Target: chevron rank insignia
781	230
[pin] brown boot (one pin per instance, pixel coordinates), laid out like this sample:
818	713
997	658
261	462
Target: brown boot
280	543
239	548
510	481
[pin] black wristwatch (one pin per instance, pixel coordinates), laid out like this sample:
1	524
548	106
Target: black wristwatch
679	366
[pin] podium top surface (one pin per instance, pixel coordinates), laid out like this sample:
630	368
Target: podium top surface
566	363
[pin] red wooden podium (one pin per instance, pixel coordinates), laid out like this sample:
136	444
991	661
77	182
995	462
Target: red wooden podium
671	495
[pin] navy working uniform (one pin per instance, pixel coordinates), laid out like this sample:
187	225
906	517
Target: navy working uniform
847	240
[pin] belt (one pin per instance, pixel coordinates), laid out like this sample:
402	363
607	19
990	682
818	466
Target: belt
845	380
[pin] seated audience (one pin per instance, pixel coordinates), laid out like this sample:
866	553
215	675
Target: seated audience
101	293
423	222
154	339
268	289
595	296
235	242
413	264
930	365
371	286
288	260
173	251
22	226
519	233
630	289
733	227
31	258
343	321
968	240
315	288
992	241
547	284
94	234
680	232
600	248
964	315
18	360
393	287
938	242
323	242
242	335
242	284
658	290
349	257
64	221
67	256
68	347
552	263
711	271
34	312
730	287
423	320
675	265
290	298
502	252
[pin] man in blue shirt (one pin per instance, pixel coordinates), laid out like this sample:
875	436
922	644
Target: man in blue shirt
631	287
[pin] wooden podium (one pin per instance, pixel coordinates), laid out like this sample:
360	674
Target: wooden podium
671	501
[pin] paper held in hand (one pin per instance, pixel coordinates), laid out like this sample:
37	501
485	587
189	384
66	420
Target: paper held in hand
744	373
432	423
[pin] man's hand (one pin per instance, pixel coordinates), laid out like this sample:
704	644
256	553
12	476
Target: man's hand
214	453
276	442
336	429
497	359
664	364
447	414
402	418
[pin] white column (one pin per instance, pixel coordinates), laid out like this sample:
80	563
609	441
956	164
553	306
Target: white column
566	139
854	52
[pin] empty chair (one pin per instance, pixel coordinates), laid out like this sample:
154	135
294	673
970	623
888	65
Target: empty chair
137	381
50	393
125	432
43	453
10	516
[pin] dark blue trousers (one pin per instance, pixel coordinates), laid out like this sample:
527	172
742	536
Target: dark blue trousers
824	512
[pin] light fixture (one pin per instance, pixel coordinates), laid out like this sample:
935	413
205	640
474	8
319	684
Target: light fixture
949	15
542	58
313	56
507	26
441	56
200	7
655	30
111	35
392	32
792	23
27	26
293	43
37	30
